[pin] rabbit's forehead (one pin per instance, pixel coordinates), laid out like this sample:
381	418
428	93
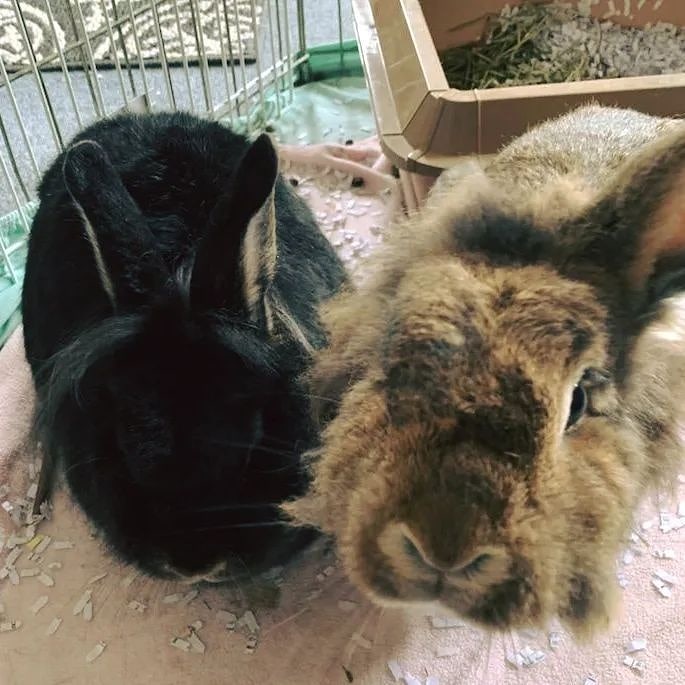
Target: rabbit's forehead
487	350
482	316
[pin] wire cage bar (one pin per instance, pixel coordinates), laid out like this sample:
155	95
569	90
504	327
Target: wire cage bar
71	62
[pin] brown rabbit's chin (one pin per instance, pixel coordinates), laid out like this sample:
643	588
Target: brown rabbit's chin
510	603
500	592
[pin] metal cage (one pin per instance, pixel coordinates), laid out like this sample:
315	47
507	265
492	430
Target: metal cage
66	63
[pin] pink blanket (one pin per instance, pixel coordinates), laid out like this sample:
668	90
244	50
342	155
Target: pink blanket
308	627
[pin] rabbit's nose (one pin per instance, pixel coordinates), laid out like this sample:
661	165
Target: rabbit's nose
453	562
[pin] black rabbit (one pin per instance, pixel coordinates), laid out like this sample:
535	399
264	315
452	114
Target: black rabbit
169	308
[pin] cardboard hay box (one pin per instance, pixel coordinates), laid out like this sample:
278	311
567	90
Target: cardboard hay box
425	126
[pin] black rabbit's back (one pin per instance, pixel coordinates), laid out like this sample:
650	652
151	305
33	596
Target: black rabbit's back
180	427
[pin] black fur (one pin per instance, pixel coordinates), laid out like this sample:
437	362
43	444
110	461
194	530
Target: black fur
179	421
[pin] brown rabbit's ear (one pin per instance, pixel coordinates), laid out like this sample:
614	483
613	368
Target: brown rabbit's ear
635	235
236	260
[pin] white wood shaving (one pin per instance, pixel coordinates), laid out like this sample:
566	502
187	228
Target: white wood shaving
634	664
446	622
95	652
409	679
664	554
14	576
81	603
396	670
251	644
12	557
7	506
362	641
47	580
442	652
197	625
189	596
554	640
137	606
249	621
646	525
39	604
54	625
227	618
14	540
515	660
45	510
88	611
55	565
42	545
347	605
639	666
636	645
180	643
628	557
9	626
529	656
172	599
195	643
681	509
65	544
661	588
666	577
591	680
432	680
30	572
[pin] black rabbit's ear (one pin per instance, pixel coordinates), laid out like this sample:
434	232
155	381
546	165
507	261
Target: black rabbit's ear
124	249
632	242
236	259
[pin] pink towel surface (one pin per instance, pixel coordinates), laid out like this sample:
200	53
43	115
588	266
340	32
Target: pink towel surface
314	628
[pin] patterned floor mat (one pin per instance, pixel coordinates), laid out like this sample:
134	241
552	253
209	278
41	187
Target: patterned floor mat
211	27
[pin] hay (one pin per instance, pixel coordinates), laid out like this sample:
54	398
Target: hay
556	43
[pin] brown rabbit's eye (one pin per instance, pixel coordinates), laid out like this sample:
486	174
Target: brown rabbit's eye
578	406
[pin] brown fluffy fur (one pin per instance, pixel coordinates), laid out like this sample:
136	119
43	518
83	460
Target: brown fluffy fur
449	377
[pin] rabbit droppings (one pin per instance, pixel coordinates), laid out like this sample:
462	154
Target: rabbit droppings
500	394
169	308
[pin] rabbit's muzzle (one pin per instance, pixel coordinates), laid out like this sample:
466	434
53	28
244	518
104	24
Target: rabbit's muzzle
464	564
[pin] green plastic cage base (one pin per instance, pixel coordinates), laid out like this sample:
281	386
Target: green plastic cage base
328	61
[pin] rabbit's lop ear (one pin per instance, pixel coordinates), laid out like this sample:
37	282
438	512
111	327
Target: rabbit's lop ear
124	249
636	232
236	260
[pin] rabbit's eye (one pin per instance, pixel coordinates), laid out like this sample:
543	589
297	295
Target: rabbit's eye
578	406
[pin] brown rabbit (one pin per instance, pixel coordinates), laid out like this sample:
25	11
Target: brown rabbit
504	389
